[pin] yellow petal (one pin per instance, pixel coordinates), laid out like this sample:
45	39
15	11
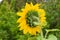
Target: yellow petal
26	29
43	18
19	13
36	6
33	32
20	19
22	24
21	28
27	6
41	12
31	4
37	29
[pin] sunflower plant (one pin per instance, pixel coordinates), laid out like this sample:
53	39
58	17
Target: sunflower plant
32	20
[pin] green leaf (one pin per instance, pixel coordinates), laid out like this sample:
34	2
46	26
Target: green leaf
39	38
52	37
32	38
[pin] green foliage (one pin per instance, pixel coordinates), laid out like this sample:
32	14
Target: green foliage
8	26
8	18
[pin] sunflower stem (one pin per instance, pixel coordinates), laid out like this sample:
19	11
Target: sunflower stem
46	34
50	30
41	33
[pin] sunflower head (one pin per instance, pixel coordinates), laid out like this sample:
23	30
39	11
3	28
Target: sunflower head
32	19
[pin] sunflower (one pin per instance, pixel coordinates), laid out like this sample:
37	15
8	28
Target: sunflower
32	18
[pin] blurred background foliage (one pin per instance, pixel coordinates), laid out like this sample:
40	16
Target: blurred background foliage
9	28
